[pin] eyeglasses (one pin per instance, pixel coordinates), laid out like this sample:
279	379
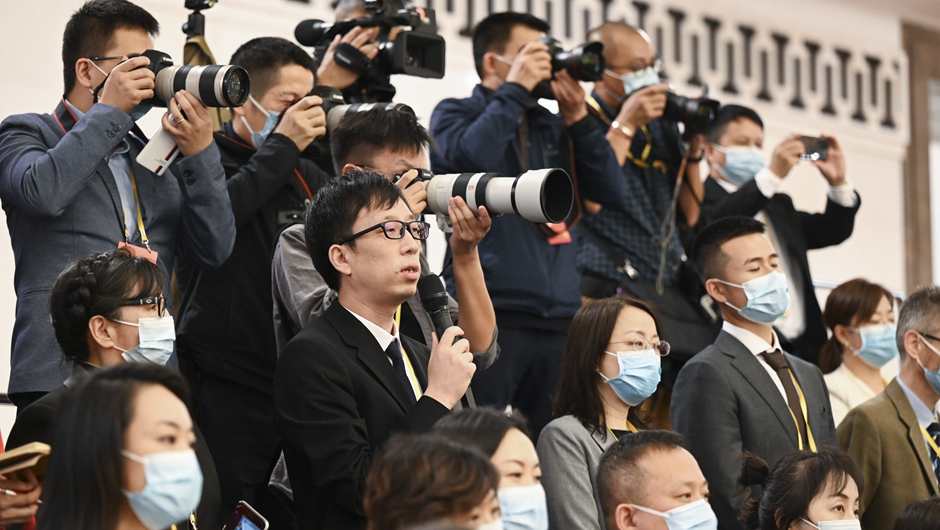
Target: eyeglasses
159	301
928	336
661	348
657	67
396	230
104	58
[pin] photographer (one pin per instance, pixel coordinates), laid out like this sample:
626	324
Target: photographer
70	184
224	345
529	268
740	184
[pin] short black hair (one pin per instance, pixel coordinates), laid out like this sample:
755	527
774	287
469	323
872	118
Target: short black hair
361	135
483	427
90	31
333	212
264	57
100	284
493	33
726	115
706	249
920	515
619	478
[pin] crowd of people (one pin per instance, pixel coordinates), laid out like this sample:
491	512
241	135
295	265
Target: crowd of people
585	384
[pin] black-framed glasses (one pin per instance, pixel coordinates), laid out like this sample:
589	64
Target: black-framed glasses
396	230
159	301
657	67
929	336
103	58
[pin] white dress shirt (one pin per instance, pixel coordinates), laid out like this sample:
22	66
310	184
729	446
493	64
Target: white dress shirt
757	346
385	338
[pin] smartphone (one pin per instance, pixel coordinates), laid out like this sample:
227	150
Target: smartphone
246	518
816	148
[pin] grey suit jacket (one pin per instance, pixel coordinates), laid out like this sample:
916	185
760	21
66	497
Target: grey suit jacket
569	454
62	204
724	402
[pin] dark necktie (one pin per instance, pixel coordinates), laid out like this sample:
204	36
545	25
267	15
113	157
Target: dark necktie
394	353
778	362
934	431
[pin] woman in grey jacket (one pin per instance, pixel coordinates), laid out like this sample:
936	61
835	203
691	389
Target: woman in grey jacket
611	364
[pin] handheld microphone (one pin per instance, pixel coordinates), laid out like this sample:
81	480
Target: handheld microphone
433	297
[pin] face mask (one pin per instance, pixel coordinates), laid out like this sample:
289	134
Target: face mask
932	377
157	336
523	508
879	345
639	375
768	298
849	524
741	163
173	489
697	515
135	113
270	122
495	525
633	81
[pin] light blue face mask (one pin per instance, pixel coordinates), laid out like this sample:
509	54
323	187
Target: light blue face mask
173	489
157	337
639	375
270	122
932	377
523	508
696	515
768	298
633	81
742	163
879	344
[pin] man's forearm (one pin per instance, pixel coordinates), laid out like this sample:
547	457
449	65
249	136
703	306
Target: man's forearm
477	317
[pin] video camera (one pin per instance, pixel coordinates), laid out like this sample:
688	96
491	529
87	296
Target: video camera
584	63
213	85
416	52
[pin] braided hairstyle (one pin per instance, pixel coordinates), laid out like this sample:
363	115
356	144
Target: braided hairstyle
99	284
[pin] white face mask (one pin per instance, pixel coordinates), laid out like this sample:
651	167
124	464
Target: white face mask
848	524
495	525
157	340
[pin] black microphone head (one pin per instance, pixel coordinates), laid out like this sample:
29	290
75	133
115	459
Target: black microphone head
310	32
432	293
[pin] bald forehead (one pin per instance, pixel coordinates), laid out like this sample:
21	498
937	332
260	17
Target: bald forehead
622	43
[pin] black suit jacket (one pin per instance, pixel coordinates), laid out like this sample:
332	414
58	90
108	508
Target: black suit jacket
337	400
724	402
798	232
36	423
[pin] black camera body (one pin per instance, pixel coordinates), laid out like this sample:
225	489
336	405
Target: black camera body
213	85
583	63
418	52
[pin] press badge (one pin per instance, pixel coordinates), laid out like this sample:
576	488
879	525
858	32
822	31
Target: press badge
140	252
562	235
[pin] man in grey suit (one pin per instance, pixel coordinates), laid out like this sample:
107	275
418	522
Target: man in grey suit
743	392
70	185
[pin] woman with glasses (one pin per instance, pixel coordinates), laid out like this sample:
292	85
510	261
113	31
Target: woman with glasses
860	316
106	309
610	365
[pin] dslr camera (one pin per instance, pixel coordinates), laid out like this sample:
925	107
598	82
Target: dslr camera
416	52
213	86
583	63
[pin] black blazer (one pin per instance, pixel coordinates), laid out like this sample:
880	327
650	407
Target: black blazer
337	400
724	402
36	423
798	232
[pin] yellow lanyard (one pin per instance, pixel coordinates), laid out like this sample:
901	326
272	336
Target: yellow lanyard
930	440
140	218
642	162
404	355
630	428
809	432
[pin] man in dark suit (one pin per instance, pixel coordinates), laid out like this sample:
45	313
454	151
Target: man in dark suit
740	184
349	380
892	436
71	185
743	392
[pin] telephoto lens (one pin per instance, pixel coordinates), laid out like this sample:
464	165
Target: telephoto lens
213	85
584	63
541	196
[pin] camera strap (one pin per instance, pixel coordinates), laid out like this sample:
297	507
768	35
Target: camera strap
595	109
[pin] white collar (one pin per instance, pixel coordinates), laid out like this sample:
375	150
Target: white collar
752	342
383	337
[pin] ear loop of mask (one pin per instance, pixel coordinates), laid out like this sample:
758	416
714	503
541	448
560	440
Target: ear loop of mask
96	90
502	59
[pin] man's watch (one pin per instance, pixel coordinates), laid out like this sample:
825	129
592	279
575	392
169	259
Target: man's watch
624	130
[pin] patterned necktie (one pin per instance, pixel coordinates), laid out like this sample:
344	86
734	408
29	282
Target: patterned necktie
778	362
394	353
934	431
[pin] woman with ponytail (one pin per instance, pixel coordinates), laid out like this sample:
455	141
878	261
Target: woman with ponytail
860	318
804	491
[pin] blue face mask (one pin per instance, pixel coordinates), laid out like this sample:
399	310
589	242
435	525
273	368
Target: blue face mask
879	345
639	375
270	122
768	298
741	163
932	377
633	81
696	515
173	489
523	508
157	338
